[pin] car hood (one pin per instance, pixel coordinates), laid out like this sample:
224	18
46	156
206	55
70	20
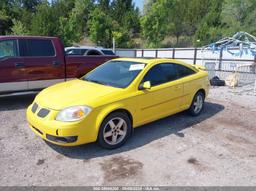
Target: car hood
71	93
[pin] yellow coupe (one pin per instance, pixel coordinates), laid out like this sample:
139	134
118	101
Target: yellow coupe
108	102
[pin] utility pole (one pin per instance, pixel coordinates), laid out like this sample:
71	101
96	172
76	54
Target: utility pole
114	45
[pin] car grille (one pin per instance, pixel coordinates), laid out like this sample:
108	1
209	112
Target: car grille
43	112
34	107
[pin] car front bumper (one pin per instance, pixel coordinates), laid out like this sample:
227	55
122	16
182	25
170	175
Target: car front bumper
62	133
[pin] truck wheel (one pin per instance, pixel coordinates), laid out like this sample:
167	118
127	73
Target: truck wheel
114	130
197	104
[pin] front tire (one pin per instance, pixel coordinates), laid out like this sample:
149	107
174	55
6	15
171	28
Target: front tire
197	104
114	130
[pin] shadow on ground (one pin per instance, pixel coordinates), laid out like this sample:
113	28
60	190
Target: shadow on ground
15	102
144	134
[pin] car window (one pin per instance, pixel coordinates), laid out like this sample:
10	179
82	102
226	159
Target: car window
170	71
8	48
161	73
70	52
108	52
76	51
93	52
184	71
115	73
36	47
23	47
83	51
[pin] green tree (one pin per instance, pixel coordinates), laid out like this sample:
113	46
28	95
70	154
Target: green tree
29	5
126	22
18	28
44	21
81	13
250	21
177	18
209	29
67	31
104	5
155	22
62	8
238	15
196	10
100	28
73	27
8	11
5	22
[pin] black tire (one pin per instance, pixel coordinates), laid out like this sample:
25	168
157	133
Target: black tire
111	131
193	110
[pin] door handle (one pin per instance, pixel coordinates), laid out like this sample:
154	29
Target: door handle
56	63
19	65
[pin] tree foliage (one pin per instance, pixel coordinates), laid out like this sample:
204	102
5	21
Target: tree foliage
44	21
156	21
100	27
199	21
18	28
209	29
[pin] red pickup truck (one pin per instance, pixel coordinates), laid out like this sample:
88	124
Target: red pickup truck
31	63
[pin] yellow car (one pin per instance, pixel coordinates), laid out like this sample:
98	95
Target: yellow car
108	102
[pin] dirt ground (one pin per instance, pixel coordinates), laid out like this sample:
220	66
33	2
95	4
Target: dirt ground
217	148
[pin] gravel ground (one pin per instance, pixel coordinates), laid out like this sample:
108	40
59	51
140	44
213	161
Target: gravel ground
217	148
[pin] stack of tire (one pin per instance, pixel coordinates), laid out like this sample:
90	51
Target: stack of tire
216	81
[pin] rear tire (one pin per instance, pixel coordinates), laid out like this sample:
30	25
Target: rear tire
115	130
197	104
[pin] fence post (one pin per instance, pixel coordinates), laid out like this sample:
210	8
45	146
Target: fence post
135	53
156	53
254	67
142	53
195	56
173	53
220	59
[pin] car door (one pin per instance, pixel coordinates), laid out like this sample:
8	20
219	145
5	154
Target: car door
164	97
12	75
43	66
190	83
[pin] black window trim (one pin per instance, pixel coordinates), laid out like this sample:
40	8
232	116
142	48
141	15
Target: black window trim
54	56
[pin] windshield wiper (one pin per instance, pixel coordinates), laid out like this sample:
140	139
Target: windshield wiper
99	82
96	81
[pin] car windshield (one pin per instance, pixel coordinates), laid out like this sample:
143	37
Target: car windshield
115	73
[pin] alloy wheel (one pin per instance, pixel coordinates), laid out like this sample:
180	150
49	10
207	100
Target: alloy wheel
198	103
115	131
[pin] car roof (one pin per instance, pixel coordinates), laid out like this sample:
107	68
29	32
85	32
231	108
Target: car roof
86	47
151	60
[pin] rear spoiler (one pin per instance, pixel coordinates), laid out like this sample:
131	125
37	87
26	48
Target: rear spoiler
199	67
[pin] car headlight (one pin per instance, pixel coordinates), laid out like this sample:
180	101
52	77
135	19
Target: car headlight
74	113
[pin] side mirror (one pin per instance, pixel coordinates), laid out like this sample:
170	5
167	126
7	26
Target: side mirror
145	85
